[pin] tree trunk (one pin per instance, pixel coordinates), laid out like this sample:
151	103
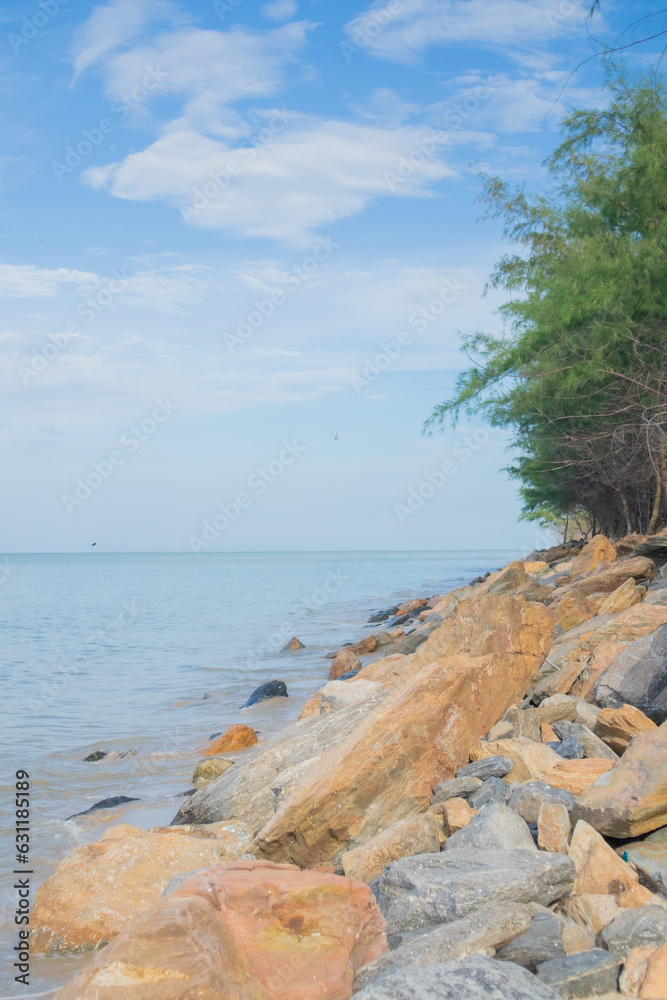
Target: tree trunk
656	505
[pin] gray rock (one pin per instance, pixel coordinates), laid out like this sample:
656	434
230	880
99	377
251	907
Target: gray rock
568	749
473	978
177	881
489	767
591	744
527	799
650	856
494	828
638	676
588	974
431	889
493	790
413	641
251	792
544	941
455	788
486	929
643	925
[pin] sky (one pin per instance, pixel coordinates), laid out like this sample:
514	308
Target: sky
239	245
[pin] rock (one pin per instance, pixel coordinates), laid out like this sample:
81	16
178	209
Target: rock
650	857
366	645
414	835
348	676
488	767
549	936
576	776
110	803
244	929
270	689
535	566
208	770
293	645
432	889
565	706
501	731
591	910
425	728
626	545
658	596
493	790
235	738
343	663
599	550
95	755
553	828
654	546
645	973
102	887
483	931
311	707
631	799
413	641
636	928
606	579
339	694
572	610
568	748
623	597
638	676
530	760
548	734
600	870
527	799
596	664
455	788
591	744
456	814
617	727
590	973
473	978
495	828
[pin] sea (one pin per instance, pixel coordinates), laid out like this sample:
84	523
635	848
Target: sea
148	655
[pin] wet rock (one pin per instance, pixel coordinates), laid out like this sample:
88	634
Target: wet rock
349	675
650	857
527	799
576	776
243	929
343	663
638	676
590	973
432	889
485	930
529	760
636	928
473	978
366	645
488	767
270	689
617	727
553	828
591	744
95	755
493	790
494	828
110	803
632	799
414	835
293	645
235	738
209	770
549	936
568	749
455	788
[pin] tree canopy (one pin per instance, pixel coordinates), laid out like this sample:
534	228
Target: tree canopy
580	374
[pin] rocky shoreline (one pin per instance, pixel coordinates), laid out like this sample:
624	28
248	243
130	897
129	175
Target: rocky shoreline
473	806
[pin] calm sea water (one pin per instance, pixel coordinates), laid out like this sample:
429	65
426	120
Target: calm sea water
155	652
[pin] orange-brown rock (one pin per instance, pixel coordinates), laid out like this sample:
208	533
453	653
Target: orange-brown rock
591	910
414	835
619	726
102	887
456	813
535	566
553	828
632	799
599	550
626	546
397	633
596	664
366	645
577	775
530	759
571	611
547	735
385	671
249	930
644	973
599	869
312	706
419	735
625	596
606	579
343	662
235	738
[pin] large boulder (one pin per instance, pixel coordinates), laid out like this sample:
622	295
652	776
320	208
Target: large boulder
494	828
549	936
638	676
650	857
632	798
654	546
636	928
433	889
102	887
617	727
596	552
601	871
248	929
414	835
421	734
529	759
587	974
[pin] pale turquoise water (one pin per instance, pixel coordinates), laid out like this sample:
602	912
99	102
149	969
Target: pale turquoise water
119	652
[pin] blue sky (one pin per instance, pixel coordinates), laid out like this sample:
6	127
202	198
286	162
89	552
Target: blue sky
238	236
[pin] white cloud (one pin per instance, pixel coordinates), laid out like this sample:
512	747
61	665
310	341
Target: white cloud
25	281
403	30
113	25
279	10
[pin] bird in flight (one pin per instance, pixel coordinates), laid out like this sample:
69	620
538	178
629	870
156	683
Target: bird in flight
93	543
